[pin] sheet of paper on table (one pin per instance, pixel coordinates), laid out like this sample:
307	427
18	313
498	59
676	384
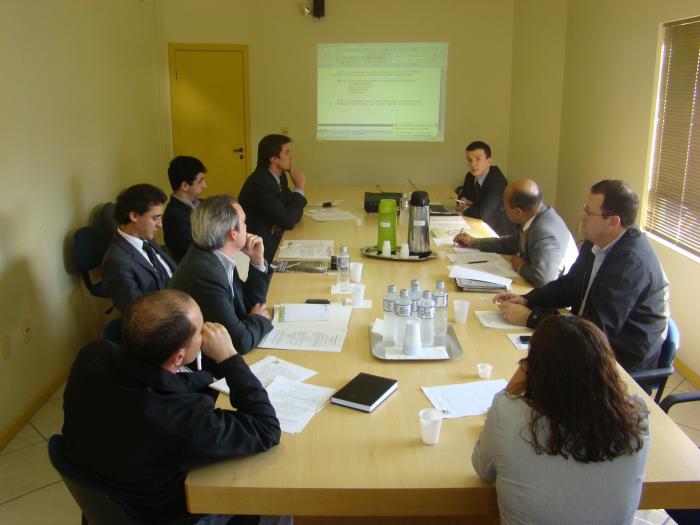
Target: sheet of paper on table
470	273
296	403
464	249
484	262
495	320
299	312
306	249
320	336
444	229
329	214
465	399
267	370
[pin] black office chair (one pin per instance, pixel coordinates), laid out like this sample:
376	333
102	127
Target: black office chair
657	377
89	246
113	331
98	504
681	516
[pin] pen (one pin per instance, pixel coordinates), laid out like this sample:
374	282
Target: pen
454	243
477	262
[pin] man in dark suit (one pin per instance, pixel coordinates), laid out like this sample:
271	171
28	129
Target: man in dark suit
134	263
616	282
138	425
482	192
209	274
270	205
543	248
186	175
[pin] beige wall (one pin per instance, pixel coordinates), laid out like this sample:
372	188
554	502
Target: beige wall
610	79
79	122
282	47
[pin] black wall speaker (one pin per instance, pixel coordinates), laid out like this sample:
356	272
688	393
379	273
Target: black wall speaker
319	8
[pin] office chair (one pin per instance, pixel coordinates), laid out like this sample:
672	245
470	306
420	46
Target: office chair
98	504
89	246
657	377
113	331
681	516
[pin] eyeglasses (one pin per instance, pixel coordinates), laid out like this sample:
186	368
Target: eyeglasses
589	213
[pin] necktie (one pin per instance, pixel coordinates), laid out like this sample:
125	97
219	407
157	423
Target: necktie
162	273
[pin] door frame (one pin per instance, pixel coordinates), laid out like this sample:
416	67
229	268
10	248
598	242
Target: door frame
243	48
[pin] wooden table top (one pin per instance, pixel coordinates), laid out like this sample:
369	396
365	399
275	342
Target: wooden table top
349	463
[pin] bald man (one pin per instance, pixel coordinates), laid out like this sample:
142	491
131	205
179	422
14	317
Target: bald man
542	248
139	425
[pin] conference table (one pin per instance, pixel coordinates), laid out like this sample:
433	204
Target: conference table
348	466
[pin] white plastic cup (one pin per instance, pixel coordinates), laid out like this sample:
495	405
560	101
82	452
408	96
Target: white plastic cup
404	253
411	341
430	424
386	249
461	311
356	272
484	370
358	294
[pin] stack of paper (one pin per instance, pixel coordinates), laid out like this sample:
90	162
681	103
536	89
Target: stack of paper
466	399
321	250
469	280
322	336
295	402
484	262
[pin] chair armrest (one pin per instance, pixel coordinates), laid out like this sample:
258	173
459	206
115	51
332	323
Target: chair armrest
650	375
680	397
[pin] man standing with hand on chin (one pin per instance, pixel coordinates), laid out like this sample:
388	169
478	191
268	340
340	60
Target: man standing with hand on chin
270	205
208	273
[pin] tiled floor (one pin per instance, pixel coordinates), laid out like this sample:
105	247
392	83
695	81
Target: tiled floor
31	491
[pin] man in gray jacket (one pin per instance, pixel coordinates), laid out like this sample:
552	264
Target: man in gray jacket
542	247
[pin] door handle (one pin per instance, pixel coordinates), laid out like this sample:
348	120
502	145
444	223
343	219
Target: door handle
238	150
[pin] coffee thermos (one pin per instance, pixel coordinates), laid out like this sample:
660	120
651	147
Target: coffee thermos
419	224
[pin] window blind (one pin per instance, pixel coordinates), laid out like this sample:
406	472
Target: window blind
673	206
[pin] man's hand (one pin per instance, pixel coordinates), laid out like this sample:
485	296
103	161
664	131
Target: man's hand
515	313
463	239
255	249
298	178
517	262
216	342
260	309
463	203
508	297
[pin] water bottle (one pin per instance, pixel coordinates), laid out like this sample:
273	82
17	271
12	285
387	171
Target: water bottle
426	315
389	315
403	209
440	298
402	309
343	269
415	297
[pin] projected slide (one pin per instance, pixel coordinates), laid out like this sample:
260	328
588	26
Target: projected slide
381	91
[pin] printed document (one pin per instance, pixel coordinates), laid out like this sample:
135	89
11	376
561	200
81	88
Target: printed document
484	262
267	370
476	275
495	320
295	313
465	399
296	403
306	249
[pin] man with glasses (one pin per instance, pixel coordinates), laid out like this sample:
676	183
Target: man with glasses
616	282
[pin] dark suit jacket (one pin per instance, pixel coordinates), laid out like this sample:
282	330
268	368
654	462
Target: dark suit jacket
126	274
177	229
550	249
488	200
140	428
628	299
269	208
202	275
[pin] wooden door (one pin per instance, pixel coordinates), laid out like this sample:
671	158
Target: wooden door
209	94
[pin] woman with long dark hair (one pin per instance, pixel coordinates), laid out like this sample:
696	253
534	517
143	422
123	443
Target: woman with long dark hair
565	442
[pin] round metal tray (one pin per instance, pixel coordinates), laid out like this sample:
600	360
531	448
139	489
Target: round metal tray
374	253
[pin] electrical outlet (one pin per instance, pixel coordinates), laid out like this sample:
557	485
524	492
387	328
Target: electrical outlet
26	330
5	346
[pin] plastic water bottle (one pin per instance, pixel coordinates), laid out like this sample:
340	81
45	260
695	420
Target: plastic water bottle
389	315
440	298
343	269
415	297
403	209
426	315
402	309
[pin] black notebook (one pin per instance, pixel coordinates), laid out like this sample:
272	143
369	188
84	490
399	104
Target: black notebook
365	392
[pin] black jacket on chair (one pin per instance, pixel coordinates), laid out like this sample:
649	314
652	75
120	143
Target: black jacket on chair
488	200
202	275
270	209
127	274
177	230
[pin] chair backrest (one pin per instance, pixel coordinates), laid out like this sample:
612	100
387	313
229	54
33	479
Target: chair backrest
113	331
89	246
107	220
670	345
99	504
